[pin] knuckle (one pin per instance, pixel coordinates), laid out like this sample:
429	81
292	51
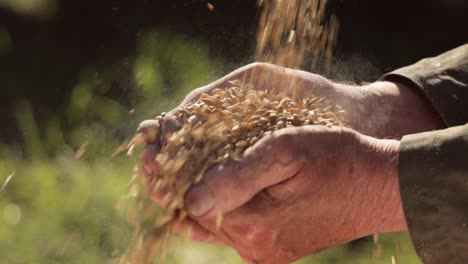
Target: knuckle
170	124
261	66
254	65
148	124
286	148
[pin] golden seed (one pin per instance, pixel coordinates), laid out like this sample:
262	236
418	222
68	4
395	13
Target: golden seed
254	118
252	134
342	114
235	128
294	110
329	115
219	220
327	108
242	144
218	91
131	150
235	82
226	112
253	140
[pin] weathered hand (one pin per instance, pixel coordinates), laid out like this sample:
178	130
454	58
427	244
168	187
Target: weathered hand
299	191
379	109
309	188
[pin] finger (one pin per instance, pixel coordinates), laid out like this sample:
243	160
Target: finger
151	169
149	131
169	124
192	230
272	160
147	159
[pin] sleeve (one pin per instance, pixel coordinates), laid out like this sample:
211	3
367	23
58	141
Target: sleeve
433	166
444	82
433	171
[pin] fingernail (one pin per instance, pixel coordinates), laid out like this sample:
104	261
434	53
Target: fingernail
199	200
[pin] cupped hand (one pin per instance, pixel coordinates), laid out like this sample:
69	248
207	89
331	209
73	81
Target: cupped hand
298	191
305	189
380	109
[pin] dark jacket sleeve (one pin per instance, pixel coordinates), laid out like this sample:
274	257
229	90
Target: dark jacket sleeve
444	82
433	169
433	166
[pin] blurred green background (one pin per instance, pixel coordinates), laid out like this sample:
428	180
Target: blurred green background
76	77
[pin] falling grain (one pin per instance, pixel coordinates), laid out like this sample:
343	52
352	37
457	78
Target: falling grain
210	6
296	34
81	150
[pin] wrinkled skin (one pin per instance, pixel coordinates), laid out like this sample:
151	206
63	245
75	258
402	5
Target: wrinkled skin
305	189
291	196
379	109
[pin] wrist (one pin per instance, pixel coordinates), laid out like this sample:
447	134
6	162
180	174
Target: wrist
391	216
379	208
397	109
382	209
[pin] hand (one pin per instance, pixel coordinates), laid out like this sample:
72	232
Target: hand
299	191
379	109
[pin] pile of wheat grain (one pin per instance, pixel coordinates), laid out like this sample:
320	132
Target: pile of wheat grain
218	127
215	129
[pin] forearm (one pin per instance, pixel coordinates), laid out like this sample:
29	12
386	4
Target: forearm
389	110
400	110
387	214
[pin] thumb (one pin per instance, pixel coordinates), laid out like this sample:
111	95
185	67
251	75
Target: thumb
272	160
